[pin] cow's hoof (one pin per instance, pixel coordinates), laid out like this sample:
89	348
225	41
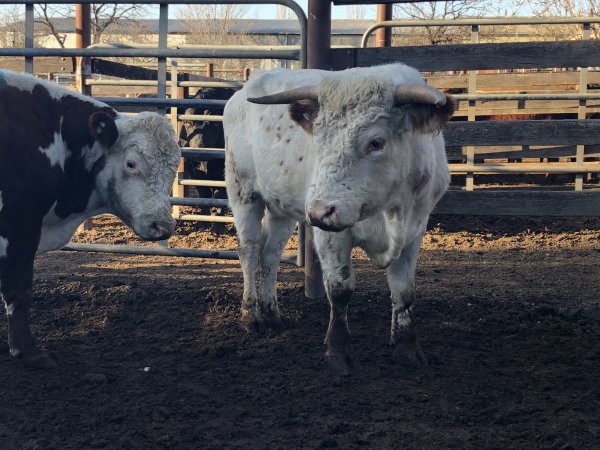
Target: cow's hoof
407	355
258	325
342	362
38	360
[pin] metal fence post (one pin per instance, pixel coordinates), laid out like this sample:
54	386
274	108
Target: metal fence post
319	44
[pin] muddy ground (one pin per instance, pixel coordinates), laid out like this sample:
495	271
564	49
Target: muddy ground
151	355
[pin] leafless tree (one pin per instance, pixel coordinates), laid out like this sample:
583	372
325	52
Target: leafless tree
356	12
12	30
453	9
284	13
103	16
216	25
563	8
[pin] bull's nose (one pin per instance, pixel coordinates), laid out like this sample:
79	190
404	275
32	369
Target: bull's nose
162	229
322	215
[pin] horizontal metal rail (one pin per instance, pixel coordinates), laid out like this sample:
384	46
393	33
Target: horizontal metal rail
205	218
161	102
201	117
199	202
212	53
204	154
163	251
205	183
474	22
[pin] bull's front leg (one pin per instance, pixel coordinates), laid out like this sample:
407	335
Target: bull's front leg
334	250
16	277
400	277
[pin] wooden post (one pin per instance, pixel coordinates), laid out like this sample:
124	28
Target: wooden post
178	189
210	70
383	36
246	73
319	44
83	39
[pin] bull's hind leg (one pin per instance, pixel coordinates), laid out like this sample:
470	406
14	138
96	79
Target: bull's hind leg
335	251
401	278
276	231
16	278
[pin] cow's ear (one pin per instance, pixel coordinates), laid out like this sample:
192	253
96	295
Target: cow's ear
430	118
103	129
304	113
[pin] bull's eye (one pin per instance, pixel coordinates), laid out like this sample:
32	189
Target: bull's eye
130	164
375	145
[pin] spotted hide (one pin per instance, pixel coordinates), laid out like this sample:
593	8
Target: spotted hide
358	154
65	157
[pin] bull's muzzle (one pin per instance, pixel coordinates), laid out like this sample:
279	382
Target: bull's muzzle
160	230
324	216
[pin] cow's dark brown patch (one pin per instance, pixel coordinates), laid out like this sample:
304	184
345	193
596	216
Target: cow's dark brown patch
31	185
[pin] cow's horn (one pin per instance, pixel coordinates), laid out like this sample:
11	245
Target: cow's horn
419	93
287	97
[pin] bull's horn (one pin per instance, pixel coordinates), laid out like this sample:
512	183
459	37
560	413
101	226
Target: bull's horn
286	97
419	93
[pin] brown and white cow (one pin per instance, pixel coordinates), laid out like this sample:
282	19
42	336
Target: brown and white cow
358	154
65	157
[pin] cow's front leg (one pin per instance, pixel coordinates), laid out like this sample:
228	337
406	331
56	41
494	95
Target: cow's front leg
334	250
16	277
401	276
276	231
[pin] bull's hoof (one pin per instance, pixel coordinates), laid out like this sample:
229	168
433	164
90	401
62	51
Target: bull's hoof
258	324
343	363
412	355
38	360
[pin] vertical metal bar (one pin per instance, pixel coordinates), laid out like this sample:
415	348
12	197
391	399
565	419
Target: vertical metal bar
319	34
319	44
582	111
383	36
472	110
29	27
163	30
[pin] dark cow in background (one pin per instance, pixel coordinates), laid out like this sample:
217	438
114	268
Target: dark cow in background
65	157
205	134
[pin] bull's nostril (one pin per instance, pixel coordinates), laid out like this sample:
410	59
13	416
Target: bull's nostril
329	211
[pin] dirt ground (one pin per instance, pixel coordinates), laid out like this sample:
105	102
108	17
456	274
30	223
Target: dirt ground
151	355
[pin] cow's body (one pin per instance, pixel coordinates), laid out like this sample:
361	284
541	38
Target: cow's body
63	158
358	168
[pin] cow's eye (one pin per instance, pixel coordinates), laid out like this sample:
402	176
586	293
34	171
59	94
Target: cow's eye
130	164
375	145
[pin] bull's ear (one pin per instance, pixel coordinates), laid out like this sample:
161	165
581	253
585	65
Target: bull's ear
304	112
430	118
103	128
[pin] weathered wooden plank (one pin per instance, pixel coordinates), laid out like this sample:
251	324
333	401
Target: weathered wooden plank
520	203
437	58
514	82
514	152
523	132
525	168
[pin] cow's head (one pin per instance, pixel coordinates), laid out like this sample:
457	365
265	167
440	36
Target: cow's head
141	157
364	131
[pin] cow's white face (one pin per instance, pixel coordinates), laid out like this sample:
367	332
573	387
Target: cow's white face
362	148
138	173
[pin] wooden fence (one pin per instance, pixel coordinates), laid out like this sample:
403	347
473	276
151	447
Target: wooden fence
525	80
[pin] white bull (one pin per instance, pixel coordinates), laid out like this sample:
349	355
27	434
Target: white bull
357	153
